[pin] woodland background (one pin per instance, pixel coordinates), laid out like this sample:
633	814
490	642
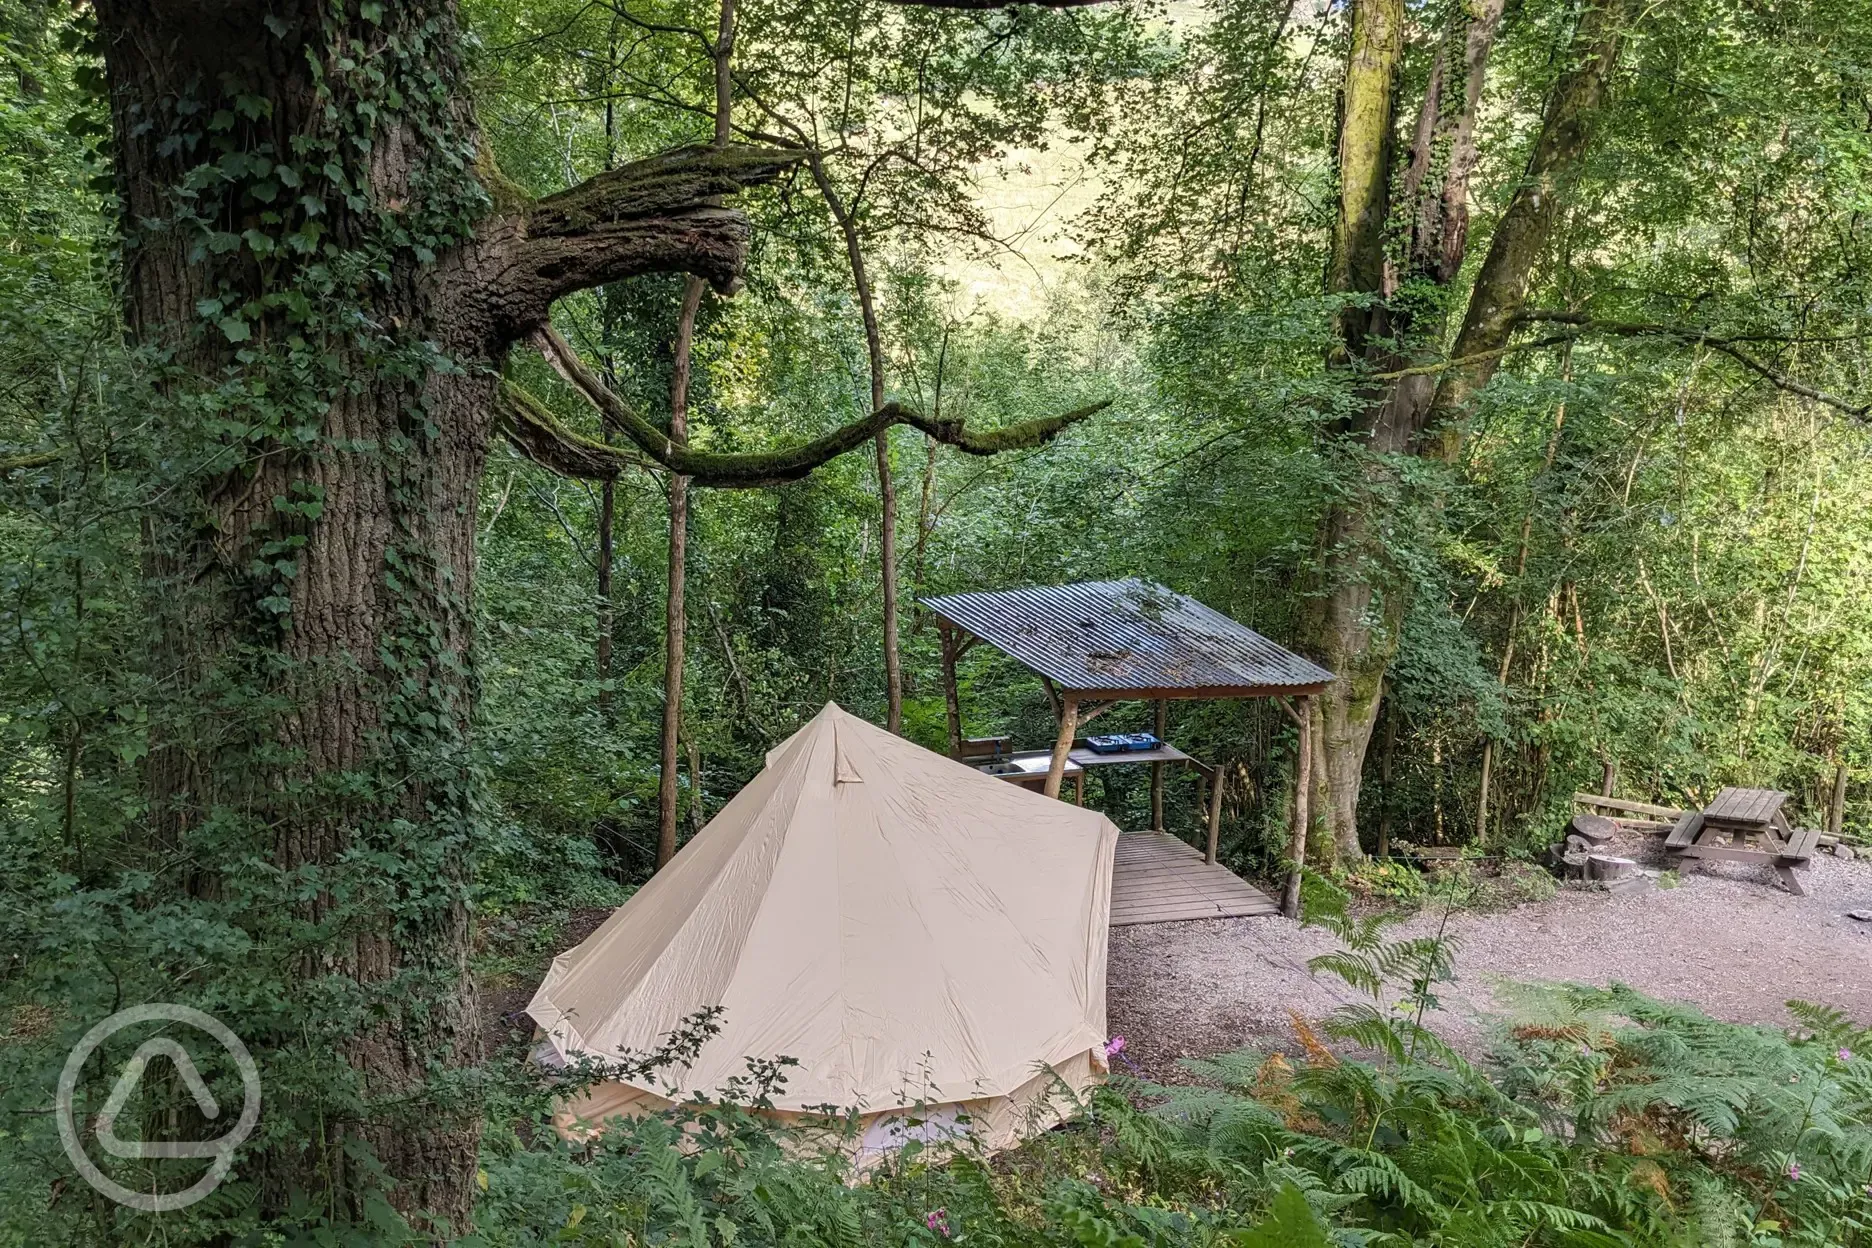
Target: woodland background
1645	563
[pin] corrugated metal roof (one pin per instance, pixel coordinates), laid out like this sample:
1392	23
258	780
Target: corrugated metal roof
1130	634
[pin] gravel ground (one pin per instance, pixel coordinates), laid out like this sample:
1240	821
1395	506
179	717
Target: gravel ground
1726	939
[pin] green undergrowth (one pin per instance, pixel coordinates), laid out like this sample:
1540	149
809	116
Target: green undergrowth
1602	1118
1471	883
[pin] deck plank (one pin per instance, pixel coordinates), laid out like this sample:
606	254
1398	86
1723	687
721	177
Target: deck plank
1157	878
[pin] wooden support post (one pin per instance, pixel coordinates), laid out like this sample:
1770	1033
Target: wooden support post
952	701
1215	812
1062	746
1161	726
1836	805
1303	804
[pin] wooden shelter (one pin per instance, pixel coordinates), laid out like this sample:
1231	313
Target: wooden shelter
1100	643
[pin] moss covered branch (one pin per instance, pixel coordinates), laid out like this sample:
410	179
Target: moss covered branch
38	459
532	428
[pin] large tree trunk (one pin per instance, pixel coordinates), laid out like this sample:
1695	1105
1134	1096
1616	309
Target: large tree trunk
1355	624
308	243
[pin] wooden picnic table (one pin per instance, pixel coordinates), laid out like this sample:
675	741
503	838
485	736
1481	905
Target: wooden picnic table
1750	820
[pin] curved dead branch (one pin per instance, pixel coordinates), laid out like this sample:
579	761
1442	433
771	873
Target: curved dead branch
663	214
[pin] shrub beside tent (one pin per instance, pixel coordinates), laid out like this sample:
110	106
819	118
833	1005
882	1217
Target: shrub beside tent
927	942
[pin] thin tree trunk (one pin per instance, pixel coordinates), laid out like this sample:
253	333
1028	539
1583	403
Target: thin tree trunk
1482	791
1386	769
1303	813
1436	786
1062	745
697	815
887	573
1160	720
845	217
952	704
675	622
1836	805
675	616
607	521
1514	615
607	489
926	516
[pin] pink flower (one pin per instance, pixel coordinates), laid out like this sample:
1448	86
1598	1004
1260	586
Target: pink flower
938	1221
1794	1171
1845	1055
1114	1046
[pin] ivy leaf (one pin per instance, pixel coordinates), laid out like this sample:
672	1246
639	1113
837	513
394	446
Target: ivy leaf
236	329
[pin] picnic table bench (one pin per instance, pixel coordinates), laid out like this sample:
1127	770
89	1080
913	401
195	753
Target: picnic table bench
1751	822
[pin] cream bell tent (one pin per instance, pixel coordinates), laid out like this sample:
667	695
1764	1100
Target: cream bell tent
918	936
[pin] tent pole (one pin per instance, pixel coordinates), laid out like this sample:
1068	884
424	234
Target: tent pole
1161	726
1069	724
952	702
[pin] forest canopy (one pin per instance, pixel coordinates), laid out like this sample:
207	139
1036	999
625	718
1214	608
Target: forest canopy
444	446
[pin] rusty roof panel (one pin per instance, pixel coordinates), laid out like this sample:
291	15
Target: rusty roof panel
1130	634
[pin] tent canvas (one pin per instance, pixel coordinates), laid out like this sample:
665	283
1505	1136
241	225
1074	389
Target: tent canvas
915	934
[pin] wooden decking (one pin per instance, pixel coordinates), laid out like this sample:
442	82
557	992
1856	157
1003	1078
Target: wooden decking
1157	878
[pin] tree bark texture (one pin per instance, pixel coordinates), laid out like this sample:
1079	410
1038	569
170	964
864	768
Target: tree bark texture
1353	626
1359	608
336	282
675	607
